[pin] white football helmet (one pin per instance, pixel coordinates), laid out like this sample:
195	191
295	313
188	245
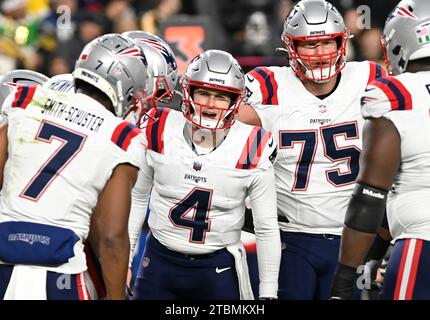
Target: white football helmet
315	20
162	71
406	34
118	67
218	70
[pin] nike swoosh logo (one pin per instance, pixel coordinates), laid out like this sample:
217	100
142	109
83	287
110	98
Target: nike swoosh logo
369	89
250	79
271	143
217	270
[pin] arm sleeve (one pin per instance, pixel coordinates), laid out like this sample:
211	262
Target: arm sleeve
139	205
267	112
384	95
253	90
262	194
374	103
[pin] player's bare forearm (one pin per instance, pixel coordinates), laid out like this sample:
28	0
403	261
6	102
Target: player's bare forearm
385	234
3	148
248	115
111	222
114	259
379	164
354	247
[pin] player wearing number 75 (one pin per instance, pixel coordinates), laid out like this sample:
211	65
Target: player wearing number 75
201	165
312	108
63	157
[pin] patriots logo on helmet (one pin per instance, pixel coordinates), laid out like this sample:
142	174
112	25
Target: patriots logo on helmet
135	52
291	15
401	11
170	60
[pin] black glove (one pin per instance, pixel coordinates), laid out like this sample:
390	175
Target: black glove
343	284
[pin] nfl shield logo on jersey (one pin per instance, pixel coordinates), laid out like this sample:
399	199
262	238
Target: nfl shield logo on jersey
322	108
145	262
197	166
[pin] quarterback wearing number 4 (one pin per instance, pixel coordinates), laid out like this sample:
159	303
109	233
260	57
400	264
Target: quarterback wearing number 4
201	167
312	108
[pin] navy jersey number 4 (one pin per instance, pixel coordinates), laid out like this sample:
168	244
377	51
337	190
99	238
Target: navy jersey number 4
308	139
199	200
72	143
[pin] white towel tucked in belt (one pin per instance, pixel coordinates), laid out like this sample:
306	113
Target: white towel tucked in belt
239	254
27	283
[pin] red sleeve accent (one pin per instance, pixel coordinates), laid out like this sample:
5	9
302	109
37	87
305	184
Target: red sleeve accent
23	96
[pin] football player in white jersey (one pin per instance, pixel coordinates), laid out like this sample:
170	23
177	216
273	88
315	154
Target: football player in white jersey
162	79
64	157
395	171
313	109
201	167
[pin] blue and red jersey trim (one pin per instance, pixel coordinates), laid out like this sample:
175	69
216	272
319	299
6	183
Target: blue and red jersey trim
155	129
253	149
124	133
268	85
376	71
397	94
23	96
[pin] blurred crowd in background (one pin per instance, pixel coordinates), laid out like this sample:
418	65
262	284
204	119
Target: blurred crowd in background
47	36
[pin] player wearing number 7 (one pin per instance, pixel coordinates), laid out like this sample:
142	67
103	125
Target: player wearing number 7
64	156
313	109
201	167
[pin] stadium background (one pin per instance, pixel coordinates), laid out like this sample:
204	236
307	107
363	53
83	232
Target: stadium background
47	36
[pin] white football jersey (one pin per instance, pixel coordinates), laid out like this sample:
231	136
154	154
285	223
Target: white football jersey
197	202
405	101
62	150
319	142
